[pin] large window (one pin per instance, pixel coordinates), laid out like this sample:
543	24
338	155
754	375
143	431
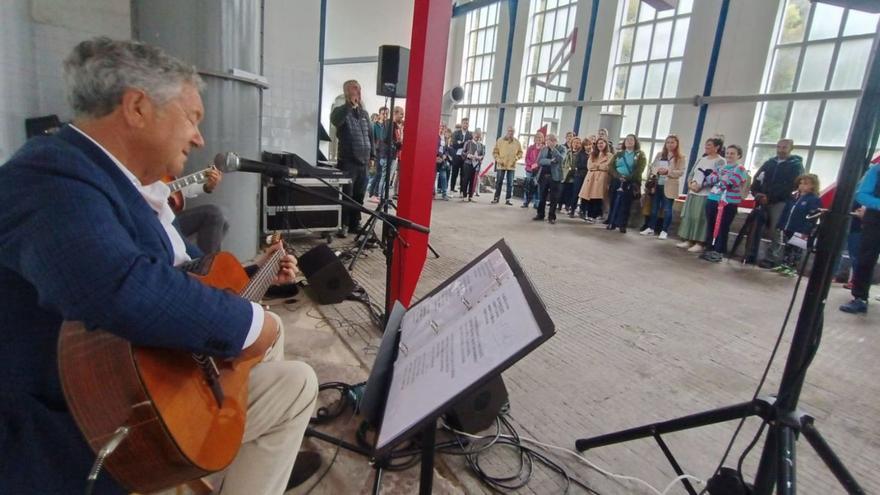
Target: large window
550	25
817	48
648	53
481	33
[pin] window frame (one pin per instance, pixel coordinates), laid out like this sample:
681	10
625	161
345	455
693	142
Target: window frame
478	88
650	140
758	147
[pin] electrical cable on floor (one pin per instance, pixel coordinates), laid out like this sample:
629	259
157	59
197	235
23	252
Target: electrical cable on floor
592	465
463	444
332	460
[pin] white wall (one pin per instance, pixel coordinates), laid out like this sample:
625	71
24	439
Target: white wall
290	63
36	36
356	28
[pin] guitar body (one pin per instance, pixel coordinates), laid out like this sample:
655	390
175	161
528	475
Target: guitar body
178	432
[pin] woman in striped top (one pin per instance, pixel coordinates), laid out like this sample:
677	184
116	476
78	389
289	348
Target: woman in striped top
725	194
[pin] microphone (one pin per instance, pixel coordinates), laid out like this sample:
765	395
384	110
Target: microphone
231	162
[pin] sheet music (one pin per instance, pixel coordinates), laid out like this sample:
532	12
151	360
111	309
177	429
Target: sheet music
448	342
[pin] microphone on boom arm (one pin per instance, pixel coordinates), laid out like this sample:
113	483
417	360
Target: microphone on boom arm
231	162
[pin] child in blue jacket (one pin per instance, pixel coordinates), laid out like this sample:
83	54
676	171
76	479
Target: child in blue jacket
794	225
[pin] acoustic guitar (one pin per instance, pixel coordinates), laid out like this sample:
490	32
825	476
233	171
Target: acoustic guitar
176	199
185	413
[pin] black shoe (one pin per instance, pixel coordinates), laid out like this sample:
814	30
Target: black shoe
495	201
537	219
749	260
623	230
552	221
307	464
524	206
767	264
508	203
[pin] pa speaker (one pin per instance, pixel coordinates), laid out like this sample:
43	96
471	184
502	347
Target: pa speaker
327	276
392	72
478	411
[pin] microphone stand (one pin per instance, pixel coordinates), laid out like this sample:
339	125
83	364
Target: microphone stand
390	226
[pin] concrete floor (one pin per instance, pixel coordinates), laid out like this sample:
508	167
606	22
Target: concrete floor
645	332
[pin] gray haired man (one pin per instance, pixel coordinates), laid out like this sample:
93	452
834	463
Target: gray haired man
354	131
94	191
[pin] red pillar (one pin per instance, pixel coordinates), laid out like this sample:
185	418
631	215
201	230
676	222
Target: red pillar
427	68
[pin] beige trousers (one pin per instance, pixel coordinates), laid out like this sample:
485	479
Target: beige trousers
281	398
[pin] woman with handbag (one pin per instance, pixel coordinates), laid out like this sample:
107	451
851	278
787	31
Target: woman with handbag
626	182
667	168
445	153
580	174
595	188
568	171
693	216
530	184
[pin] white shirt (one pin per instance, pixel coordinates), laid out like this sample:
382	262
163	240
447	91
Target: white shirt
156	195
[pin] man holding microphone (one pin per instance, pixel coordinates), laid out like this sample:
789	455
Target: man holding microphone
355	136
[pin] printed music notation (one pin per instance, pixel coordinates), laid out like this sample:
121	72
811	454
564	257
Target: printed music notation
455	337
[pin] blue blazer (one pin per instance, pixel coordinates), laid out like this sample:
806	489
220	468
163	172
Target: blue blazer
78	242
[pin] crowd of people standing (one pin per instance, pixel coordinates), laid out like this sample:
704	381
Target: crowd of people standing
597	181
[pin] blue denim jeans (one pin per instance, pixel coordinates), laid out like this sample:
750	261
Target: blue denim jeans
661	201
500	177
531	189
442	181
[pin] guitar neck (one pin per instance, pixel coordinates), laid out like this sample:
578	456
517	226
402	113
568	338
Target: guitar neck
196	178
260	282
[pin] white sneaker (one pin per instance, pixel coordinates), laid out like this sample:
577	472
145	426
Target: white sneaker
684	244
648	231
696	248
663	236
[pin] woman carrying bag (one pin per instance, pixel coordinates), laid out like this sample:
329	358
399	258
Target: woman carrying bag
668	167
595	188
626	182
693	216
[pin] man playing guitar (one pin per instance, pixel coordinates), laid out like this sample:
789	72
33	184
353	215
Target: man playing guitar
85	235
205	222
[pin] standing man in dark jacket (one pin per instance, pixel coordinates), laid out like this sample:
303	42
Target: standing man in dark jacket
459	137
550	176
774	182
868	195
355	136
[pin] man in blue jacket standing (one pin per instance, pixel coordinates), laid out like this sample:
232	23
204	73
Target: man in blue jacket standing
86	235
868	195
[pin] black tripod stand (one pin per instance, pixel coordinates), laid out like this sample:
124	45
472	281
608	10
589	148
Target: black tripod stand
780	414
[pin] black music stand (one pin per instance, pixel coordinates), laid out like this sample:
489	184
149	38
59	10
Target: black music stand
389	401
375	406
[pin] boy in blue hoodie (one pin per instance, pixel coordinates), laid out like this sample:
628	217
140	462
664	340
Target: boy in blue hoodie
795	227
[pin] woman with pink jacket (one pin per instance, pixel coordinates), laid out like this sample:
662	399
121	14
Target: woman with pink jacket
530	188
